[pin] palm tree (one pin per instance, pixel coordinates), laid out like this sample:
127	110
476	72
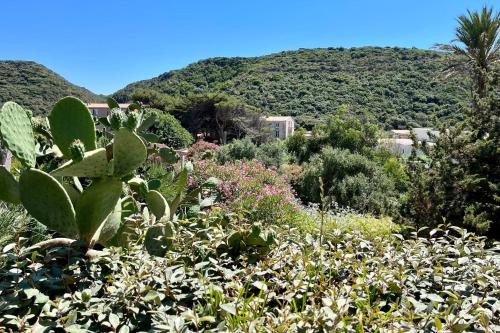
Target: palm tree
477	36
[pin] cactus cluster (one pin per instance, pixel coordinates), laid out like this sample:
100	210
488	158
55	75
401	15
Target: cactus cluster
94	214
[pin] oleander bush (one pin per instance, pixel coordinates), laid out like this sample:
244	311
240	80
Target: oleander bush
250	188
447	283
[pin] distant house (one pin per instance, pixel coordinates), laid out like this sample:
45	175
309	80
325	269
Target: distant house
99	110
422	133
400	142
281	127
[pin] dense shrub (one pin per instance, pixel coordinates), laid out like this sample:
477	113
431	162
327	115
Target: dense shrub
249	188
170	130
202	150
446	283
350	180
272	154
243	149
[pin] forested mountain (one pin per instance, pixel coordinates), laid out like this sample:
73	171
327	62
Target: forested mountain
398	86
36	87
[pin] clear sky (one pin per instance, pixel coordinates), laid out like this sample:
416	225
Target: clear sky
104	45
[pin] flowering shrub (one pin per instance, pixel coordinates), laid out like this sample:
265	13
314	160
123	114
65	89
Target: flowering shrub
202	150
248	187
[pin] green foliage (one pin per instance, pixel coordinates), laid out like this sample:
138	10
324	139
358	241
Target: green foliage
37	88
458	178
272	153
243	149
350	180
339	131
398	86
248	188
16	223
169	130
446	282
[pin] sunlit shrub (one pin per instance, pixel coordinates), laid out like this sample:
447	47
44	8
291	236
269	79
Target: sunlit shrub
248	186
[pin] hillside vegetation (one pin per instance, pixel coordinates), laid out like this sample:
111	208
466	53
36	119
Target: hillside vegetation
36	87
399	87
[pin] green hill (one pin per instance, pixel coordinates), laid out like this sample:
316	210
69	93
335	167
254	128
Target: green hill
398	86
36	87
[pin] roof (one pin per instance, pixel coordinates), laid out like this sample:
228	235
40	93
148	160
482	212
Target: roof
402	142
279	118
105	106
401	131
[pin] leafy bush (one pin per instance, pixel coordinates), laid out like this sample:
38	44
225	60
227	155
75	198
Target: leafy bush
201	150
448	282
243	149
170	130
315	222
272	154
350	180
249	188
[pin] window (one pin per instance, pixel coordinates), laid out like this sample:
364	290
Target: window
276	130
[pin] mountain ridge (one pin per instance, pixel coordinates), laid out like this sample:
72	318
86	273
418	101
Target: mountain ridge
399	87
36	87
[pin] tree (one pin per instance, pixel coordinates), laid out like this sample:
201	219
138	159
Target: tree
217	116
462	173
170	130
477	36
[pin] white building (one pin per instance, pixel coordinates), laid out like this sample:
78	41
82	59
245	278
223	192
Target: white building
100	110
400	142
281	127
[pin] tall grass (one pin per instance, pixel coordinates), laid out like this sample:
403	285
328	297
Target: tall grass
15	223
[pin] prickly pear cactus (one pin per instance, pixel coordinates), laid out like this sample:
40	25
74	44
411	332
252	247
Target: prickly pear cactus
16	133
93	164
116	118
169	155
157	204
46	200
70	119
95	204
110	226
9	187
77	150
132	121
129	152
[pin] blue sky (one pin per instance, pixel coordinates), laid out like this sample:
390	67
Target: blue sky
104	45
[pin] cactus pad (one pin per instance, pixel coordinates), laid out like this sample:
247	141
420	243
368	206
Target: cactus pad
128	152
47	201
94	164
169	155
157	204
111	226
16	133
9	187
95	204
69	120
